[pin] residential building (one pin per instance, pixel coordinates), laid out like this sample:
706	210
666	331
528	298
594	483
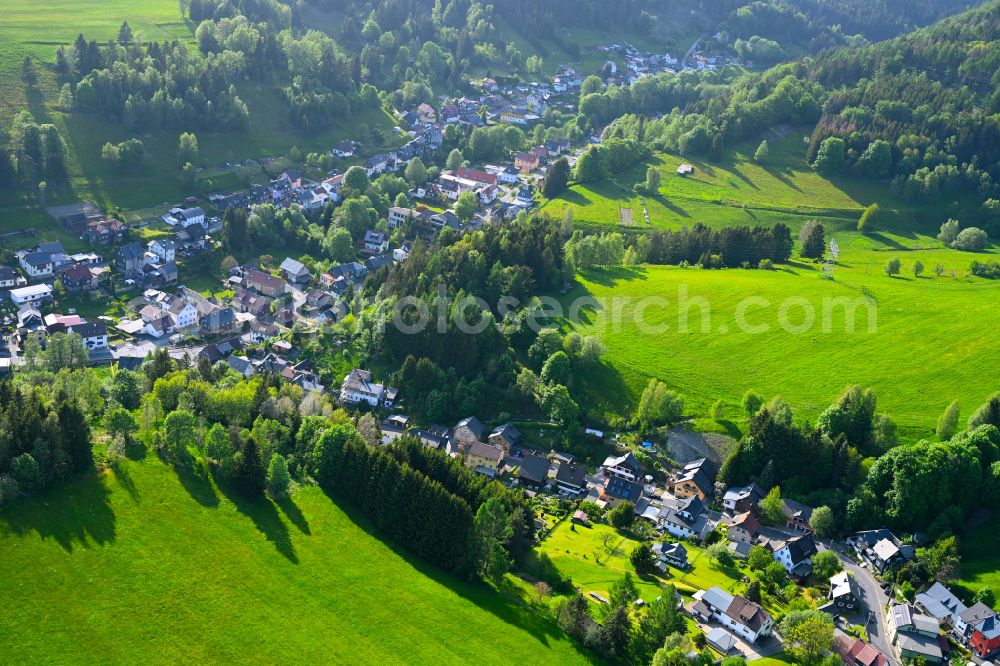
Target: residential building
794	554
344	149
797	516
505	436
741	616
881	548
375	241
358	388
532	470
844	595
30	324
526	162
8	277
856	652
971	617
696	478
741	499
264	283
617	489
985	638
466	432
94	334
674	554
744	527
398	217
164	249
36	264
915	636
79	278
623	467
483	457
35	293
185	217
183	313
130	259
684	518
217	322
295	271
571	479
940	603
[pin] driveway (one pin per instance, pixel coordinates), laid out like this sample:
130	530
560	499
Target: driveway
873	599
765	648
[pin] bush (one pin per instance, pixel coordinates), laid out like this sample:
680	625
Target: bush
971	239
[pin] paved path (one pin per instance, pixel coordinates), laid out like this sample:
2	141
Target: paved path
873	600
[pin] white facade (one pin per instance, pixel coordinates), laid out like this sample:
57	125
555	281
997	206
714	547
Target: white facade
32	294
165	250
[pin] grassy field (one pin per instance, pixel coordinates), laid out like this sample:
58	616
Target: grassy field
736	190
573	551
37	28
926	349
979	557
140	566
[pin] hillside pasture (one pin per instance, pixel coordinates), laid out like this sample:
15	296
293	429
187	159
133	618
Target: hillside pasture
736	190
926	348
145	565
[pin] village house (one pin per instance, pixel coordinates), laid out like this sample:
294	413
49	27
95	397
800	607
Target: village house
979	628
856	652
532	470
261	332
220	321
398	217
130	259
674	554
844	595
79	278
571	479
741	499
466	432
163	249
185	217
940	603
623	467
526	162
797	516
881	548
617	490
795	554
375	242
264	283
505	436
295	271
484	458
30	324
684	518
8	277
104	232
744	527
914	635
358	388
436	439
94	334
44	261
344	149
741	616
696	478
182	312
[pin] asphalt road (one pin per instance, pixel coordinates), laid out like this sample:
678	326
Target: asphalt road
872	599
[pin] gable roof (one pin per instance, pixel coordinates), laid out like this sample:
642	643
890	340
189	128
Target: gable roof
571	474
473	425
533	468
939	602
483	450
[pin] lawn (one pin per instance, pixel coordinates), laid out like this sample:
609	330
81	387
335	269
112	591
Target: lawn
140	566
573	548
737	190
926	349
980	566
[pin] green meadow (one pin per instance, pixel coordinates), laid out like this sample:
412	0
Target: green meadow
579	553
736	190
918	342
38	28
140	565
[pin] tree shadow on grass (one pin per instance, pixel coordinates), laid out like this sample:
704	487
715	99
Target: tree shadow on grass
124	478
293	513
731	428
77	514
609	277
482	595
669	205
266	519
196	478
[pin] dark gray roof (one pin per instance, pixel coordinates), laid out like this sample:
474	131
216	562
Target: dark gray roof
571	474
533	468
